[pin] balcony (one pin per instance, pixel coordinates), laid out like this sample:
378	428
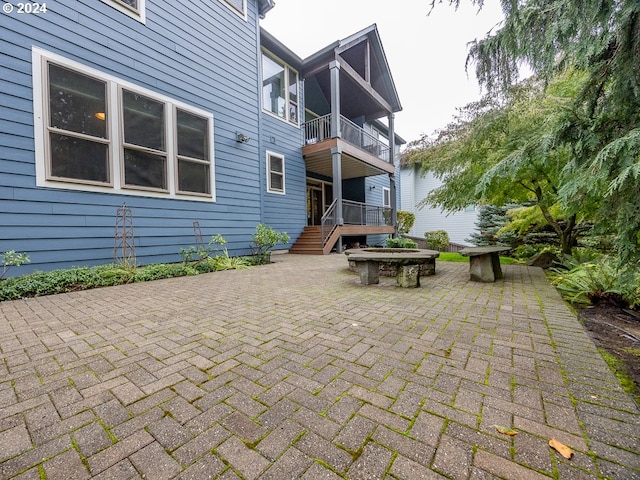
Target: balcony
363	154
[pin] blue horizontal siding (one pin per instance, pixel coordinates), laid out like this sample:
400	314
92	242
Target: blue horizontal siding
284	212
201	54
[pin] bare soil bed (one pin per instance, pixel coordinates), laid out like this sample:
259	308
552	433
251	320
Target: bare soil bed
617	331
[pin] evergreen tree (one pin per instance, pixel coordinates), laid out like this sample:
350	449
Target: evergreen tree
602	126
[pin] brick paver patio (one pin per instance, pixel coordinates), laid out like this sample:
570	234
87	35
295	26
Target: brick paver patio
296	371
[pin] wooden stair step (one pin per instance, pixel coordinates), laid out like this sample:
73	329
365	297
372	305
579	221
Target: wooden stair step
309	242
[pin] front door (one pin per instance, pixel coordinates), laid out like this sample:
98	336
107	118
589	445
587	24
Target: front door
314	205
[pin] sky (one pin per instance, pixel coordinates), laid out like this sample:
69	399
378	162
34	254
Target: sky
426	52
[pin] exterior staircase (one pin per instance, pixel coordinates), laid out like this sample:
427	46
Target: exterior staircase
309	242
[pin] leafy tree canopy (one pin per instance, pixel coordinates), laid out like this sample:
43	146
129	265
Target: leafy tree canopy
602	128
501	150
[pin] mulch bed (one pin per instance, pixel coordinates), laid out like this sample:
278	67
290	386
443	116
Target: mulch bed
617	331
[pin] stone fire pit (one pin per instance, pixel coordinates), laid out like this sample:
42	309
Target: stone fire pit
406	264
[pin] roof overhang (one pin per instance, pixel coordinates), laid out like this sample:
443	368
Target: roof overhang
279	49
264	6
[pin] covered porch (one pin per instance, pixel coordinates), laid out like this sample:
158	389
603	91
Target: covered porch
348	138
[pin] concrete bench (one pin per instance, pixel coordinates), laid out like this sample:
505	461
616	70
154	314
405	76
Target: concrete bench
484	262
407	261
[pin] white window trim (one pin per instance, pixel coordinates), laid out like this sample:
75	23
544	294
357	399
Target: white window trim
39	59
268	159
386	194
242	14
287	69
139	15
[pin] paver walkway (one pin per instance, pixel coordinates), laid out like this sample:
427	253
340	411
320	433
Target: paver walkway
296	371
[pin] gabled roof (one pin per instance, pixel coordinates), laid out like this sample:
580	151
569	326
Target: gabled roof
367	87
348	51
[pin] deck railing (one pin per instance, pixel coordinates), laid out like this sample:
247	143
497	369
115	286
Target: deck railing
319	129
328	222
354	213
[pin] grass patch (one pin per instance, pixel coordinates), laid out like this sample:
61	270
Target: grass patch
456	257
452	257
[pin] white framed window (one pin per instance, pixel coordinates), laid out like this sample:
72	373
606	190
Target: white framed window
386	197
95	132
280	95
275	173
238	6
134	8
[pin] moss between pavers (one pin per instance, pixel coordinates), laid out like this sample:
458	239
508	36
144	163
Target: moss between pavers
619	370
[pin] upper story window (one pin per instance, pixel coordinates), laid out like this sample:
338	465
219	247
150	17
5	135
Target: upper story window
133	8
280	94
95	132
275	173
238	6
386	197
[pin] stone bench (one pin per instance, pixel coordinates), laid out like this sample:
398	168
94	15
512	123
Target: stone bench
484	262
408	264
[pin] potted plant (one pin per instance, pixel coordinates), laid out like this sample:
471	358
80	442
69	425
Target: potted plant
264	239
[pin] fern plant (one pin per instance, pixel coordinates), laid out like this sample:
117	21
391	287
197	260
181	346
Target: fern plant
599	279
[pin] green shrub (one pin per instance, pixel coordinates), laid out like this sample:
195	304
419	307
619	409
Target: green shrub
59	281
252	260
82	278
525	252
436	240
405	221
12	259
163	270
225	262
400	242
265	238
203	251
598	280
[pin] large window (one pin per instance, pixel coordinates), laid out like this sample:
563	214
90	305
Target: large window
279	89
96	132
275	173
144	145
78	136
133	8
238	6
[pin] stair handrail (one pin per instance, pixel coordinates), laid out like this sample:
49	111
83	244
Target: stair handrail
328	222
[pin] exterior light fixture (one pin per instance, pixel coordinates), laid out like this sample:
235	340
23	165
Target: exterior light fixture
242	138
100	116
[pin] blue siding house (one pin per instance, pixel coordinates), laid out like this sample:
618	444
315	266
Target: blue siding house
188	115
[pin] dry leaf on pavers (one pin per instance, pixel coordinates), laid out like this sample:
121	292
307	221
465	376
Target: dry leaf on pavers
562	449
506	430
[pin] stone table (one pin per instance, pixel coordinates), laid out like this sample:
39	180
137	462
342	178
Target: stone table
484	262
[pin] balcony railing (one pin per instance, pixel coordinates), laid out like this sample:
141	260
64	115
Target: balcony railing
319	129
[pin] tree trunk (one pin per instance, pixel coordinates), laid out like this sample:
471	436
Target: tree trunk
568	235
